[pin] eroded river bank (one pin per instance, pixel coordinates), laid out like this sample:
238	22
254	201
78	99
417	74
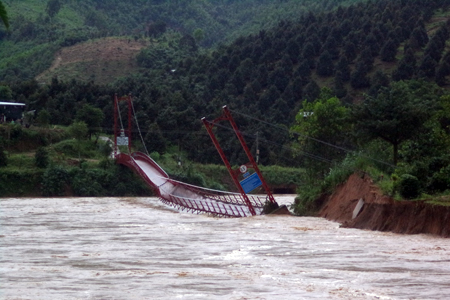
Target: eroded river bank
137	248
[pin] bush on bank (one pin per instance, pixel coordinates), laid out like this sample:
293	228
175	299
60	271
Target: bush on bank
61	180
20	182
115	181
16	138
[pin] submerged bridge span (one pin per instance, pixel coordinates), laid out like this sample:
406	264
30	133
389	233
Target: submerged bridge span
189	197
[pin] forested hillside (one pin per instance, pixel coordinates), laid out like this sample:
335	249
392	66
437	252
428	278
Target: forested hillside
40	28
370	78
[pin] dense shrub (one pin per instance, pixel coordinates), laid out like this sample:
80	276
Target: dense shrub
41	158
86	183
16	131
191	176
3	157
409	186
105	163
54	181
127	183
440	181
76	148
19	182
278	176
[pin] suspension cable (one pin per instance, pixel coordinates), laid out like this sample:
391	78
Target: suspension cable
139	129
311	138
121	124
303	153
120	115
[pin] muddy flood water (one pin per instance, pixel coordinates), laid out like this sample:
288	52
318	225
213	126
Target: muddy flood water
138	248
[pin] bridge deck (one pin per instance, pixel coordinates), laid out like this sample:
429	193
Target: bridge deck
189	197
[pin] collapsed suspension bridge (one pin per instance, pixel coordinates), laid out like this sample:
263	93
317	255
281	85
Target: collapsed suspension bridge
189	197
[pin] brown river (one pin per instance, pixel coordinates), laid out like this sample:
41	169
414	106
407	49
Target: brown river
138	248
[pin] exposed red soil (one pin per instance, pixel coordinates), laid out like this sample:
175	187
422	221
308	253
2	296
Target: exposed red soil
382	212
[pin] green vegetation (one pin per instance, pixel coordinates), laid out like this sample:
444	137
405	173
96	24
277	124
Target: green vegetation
266	76
4	15
394	120
40	28
326	87
41	159
77	165
50	162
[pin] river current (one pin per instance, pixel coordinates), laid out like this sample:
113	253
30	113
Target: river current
138	248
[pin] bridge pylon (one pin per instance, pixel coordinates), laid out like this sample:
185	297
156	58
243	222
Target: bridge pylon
251	164
122	137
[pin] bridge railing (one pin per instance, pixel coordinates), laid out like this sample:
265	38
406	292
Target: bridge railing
226	197
198	206
218	203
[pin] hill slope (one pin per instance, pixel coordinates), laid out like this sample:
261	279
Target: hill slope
40	28
101	60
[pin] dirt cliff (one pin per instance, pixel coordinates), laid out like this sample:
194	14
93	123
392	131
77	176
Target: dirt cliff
381	212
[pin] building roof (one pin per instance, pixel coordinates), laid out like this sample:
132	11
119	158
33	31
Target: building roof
12	103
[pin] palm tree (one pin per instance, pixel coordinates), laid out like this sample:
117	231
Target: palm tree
4	15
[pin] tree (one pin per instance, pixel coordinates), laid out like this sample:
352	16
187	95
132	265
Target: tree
406	66
249	94
427	67
154	139
278	78
350	51
359	78
5	92
366	58
434	48
53	7
311	91
4	15
303	70
343	67
157	28
371	42
199	35
308	54
43	118
395	115
292	49
93	117
420	36
79	130
339	88
331	46
188	42
319	125
3	157
268	98
378	80
41	159
442	71
388	51
325	66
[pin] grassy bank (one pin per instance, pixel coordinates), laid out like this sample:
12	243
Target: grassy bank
50	162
